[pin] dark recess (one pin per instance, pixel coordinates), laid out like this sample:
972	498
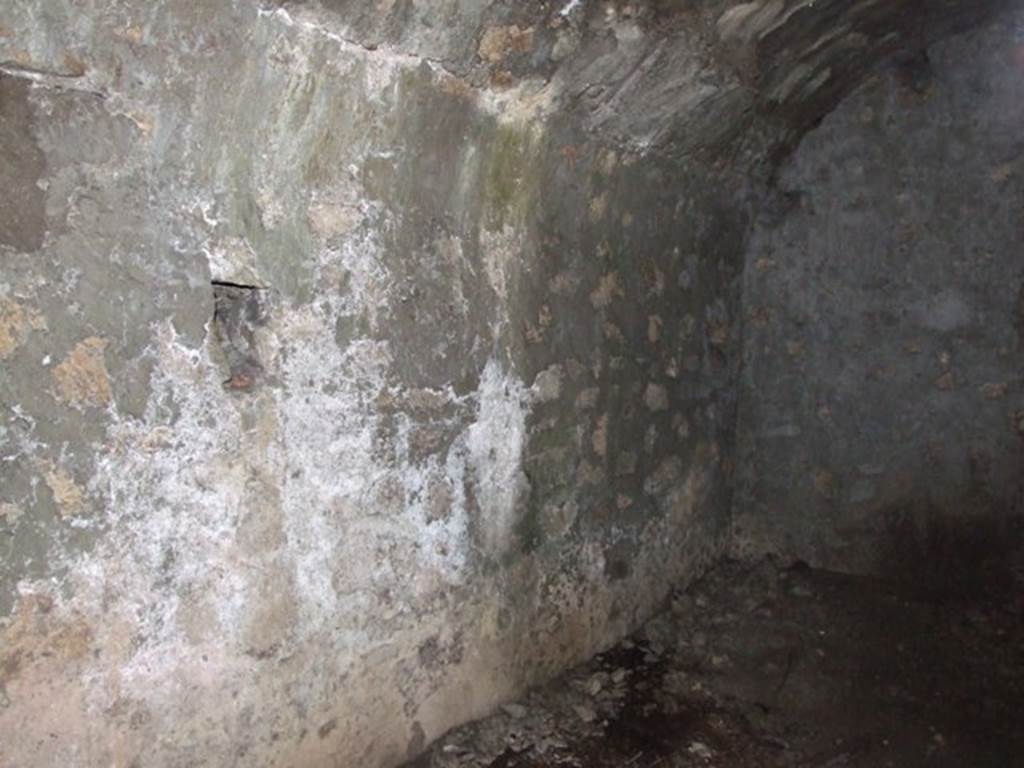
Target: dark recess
238	310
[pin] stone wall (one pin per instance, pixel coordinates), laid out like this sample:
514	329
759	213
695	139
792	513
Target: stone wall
341	395
881	405
364	363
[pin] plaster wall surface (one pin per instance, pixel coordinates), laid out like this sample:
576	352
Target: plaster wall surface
340	396
882	396
364	363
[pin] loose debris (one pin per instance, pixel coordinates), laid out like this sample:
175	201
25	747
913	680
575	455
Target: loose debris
764	666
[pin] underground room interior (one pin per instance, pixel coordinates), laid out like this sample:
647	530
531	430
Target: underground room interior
496	384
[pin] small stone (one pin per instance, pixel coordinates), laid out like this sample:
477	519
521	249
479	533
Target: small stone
995	390
551	744
515	711
585	713
701	750
656	397
825	483
82	377
9	514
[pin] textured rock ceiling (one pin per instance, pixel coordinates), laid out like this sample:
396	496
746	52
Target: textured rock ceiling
681	76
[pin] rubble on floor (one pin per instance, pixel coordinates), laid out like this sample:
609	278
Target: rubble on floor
765	666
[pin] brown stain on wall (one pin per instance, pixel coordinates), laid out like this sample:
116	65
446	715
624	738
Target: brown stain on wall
44	647
37	634
67	494
82	377
16	322
498	43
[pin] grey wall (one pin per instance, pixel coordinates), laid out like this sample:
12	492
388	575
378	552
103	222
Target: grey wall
414	471
460	409
884	346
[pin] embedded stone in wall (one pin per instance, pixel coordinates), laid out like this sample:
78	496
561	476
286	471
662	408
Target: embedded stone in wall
81	378
16	323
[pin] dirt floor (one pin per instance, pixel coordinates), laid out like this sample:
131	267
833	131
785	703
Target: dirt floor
762	666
